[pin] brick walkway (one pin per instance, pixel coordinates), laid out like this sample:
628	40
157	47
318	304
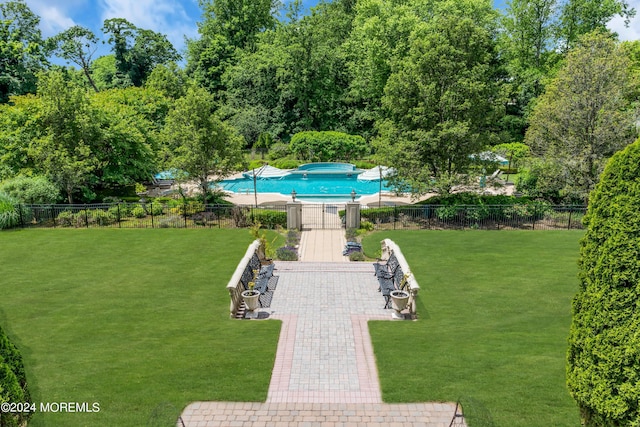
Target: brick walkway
325	372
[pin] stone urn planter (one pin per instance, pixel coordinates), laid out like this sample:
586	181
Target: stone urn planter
399	300
251	299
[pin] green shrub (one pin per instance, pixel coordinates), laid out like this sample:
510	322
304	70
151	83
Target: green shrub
278	151
328	146
269	218
13	382
366	225
155	209
286	164
293	237
138	211
256	164
31	190
386	214
122	210
66	219
82	218
364	164
171	221
9	215
191	207
446	213
101	217
287	253
356	256
604	345
506	170
351	234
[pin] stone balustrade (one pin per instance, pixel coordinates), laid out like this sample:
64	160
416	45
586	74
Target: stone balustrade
389	247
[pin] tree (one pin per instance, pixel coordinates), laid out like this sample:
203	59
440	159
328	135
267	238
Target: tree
584	116
228	26
64	149
169	79
579	17
514	152
441	100
263	143
31	189
239	21
604	346
21	49
76	44
104	72
528	42
296	79
18	128
125	148
137	51
202	145
379	37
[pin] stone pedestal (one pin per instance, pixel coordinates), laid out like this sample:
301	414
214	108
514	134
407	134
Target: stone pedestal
352	215
294	216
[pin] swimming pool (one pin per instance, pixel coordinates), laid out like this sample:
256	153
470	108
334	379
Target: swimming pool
317	182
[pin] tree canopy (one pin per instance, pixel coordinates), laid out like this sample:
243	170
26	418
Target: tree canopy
202	146
21	49
423	85
585	115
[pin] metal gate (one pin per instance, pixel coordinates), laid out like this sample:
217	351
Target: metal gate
322	216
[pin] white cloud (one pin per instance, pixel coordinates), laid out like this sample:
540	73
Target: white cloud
54	15
167	17
630	32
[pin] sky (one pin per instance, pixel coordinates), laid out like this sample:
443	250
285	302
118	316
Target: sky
178	19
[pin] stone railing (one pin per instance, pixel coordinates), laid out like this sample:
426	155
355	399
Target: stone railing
235	285
389	247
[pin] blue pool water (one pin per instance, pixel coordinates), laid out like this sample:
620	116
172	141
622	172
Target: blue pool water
313	182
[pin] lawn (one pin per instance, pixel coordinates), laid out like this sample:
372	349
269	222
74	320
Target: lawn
135	320
494	314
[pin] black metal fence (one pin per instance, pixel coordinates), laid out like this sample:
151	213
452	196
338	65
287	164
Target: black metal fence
526	216
190	214
187	214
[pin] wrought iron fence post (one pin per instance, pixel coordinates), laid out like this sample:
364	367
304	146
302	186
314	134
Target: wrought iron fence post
395	215
53	215
20	213
535	212
569	225
118	214
151	205
184	199
86	215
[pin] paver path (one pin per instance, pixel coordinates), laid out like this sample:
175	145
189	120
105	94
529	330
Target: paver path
322	246
325	372
324	353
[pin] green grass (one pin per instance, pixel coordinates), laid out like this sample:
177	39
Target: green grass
136	320
494	313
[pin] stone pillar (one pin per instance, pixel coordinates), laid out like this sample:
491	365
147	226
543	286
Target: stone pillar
294	216
352	215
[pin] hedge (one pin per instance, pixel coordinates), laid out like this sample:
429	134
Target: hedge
328	146
13	382
269	218
603	360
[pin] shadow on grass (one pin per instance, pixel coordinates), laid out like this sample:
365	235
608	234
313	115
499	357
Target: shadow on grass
475	412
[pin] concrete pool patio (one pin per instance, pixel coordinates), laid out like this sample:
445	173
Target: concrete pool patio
325	372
